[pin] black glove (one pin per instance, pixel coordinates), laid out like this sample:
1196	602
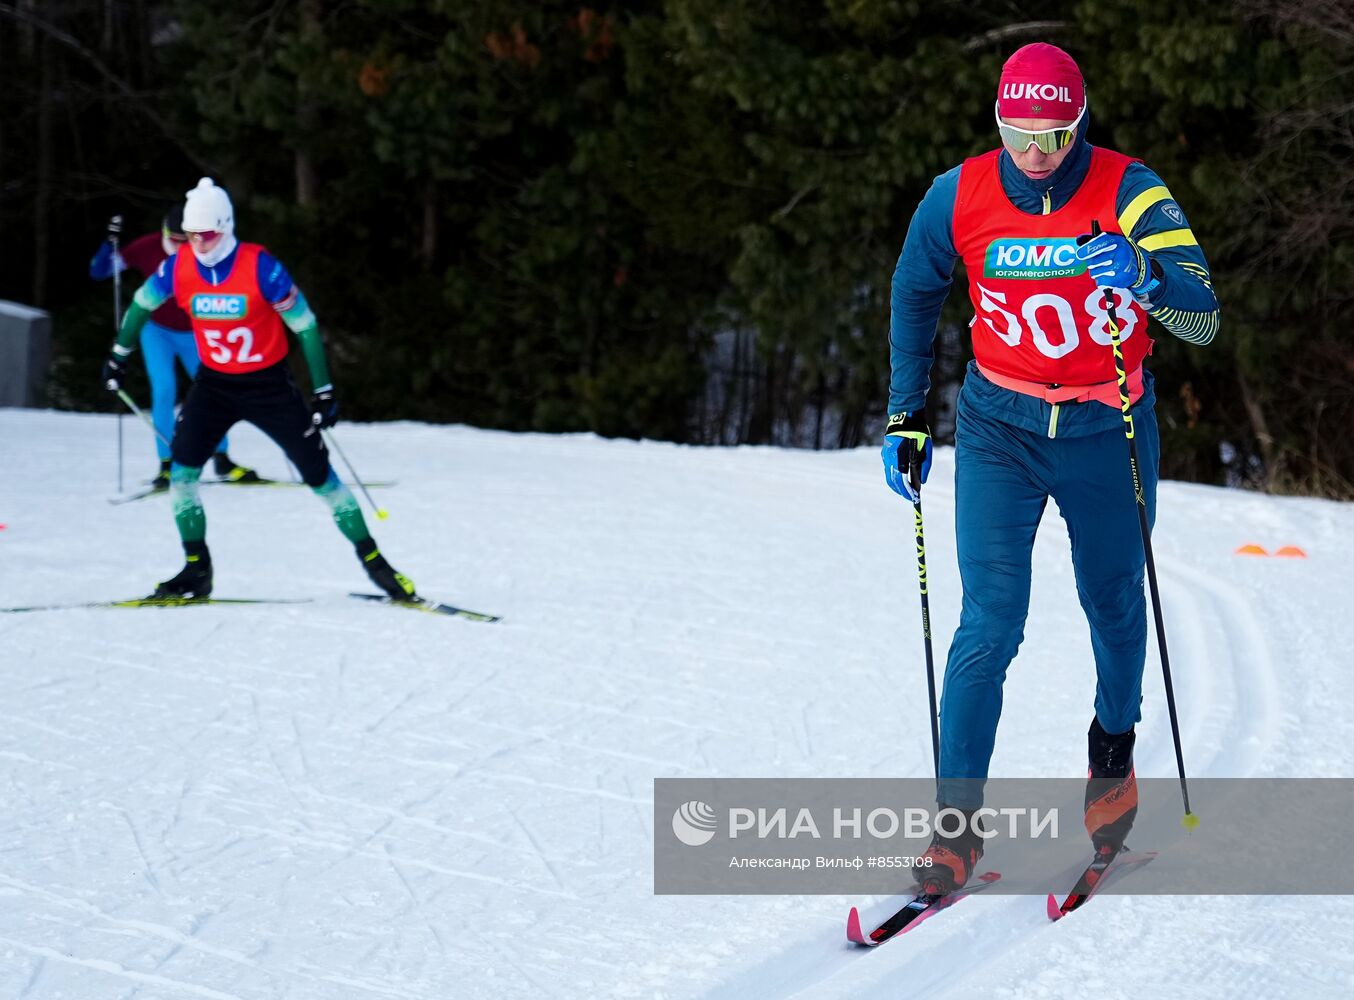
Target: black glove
324	408
113	371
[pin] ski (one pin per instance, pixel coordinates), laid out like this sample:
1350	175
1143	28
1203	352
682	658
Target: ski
139	495
914	911
430	606
257	481
157	490
159	602
1095	876
376	485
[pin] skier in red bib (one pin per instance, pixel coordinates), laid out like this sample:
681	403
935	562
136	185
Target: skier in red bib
166	336
241	301
1038	414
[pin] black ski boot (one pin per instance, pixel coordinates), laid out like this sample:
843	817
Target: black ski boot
194	581
395	585
161	480
1111	789
952	858
227	469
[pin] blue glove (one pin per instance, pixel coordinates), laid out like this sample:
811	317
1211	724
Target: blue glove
1114	261
907	453
102	264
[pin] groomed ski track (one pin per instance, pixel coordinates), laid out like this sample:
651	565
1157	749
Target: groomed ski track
339	801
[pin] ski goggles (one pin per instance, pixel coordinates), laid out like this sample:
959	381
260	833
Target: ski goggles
1048	140
204	236
174	237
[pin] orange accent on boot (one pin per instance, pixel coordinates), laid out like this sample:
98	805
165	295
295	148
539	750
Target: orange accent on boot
1113	804
1288	552
1251	549
952	867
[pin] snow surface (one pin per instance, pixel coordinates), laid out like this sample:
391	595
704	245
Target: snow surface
337	800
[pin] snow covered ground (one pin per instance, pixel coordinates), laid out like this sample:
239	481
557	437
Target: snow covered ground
335	800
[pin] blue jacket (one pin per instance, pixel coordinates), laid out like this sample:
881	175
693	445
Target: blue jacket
1183	302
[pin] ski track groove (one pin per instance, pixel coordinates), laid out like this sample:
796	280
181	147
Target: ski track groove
1252	669
24	758
540	851
537	737
105	660
301	754
50	730
27	989
599	793
350	851
175	938
114	969
402	816
416	902
148	869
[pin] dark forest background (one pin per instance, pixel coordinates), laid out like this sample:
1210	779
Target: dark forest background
679	219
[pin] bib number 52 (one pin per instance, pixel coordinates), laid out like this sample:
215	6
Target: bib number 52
232	345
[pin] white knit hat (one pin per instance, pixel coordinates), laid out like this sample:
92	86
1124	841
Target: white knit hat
208	209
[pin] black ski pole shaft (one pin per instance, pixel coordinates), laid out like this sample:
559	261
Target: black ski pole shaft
114	231
926	625
381	512
1126	406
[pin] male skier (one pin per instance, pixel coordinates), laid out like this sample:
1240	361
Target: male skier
167	335
238	298
1039	413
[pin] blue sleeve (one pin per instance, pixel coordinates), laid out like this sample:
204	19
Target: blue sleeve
159	287
274	281
921	283
101	264
1183	302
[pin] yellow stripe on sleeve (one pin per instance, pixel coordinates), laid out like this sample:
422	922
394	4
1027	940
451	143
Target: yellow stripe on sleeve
1170	238
1139	206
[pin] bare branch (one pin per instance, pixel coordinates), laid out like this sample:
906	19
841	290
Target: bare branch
95	63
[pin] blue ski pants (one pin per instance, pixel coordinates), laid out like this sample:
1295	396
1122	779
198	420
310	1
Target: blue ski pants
1004	477
160	346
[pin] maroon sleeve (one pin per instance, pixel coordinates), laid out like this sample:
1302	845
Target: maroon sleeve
144	254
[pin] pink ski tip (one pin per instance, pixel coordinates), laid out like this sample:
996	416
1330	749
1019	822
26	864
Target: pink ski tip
1054	910
853	932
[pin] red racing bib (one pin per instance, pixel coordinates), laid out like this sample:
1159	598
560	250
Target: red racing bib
1037	315
236	328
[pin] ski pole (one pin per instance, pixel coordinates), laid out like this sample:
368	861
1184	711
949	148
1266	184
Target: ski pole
114	231
381	512
131	405
926	623
1190	820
